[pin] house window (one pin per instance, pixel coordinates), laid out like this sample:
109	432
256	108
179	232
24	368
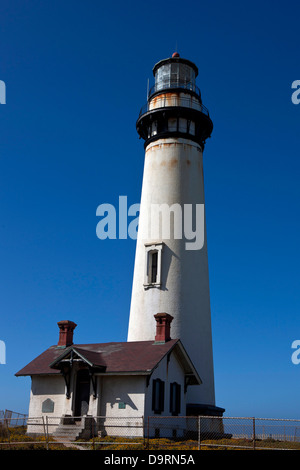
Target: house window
175	396
158	396
153	265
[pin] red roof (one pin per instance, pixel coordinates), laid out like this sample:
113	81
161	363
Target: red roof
137	356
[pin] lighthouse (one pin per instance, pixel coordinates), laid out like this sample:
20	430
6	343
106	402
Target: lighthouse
171	263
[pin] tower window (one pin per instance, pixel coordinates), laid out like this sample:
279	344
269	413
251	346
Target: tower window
153	261
175	397
153	274
158	396
154	128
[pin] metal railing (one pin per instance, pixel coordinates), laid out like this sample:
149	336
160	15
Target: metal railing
12	417
175	101
173	84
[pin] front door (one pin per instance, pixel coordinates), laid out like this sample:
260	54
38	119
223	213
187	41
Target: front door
82	396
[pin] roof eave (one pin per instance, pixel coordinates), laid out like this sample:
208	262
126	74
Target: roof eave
190	368
136	372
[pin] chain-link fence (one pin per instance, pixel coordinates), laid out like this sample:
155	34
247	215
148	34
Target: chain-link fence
202	432
82	433
12	417
152	433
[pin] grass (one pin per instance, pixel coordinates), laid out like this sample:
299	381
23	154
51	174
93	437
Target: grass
15	438
115	443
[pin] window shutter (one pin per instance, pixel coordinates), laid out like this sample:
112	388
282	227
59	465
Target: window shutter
175	398
178	398
158	395
153	394
162	396
171	398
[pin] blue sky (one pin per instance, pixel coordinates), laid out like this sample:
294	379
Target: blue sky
76	77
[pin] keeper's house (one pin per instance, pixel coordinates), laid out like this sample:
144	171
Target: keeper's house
105	387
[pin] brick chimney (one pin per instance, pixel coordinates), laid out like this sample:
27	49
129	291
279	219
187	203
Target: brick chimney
66	328
163	327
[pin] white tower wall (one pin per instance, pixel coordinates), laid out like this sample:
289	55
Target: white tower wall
173	173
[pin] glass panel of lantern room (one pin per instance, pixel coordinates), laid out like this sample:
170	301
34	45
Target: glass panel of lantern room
175	74
187	76
162	77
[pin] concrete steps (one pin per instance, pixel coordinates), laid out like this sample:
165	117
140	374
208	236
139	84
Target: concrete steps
71	432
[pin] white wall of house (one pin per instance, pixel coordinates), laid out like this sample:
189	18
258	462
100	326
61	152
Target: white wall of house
122	403
129	389
169	371
44	388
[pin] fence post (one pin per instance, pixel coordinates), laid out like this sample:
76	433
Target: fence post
199	433
143	424
7	428
44	427
47	434
253	433
93	432
148	432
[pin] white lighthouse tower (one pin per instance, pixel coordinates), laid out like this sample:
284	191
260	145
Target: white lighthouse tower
171	265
